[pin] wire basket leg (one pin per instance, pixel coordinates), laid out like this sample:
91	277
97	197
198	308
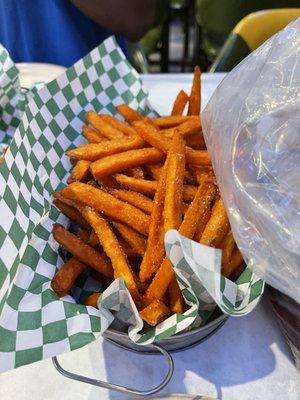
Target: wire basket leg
118	388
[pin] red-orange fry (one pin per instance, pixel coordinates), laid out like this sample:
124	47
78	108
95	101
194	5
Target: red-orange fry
71	213
128	113
180	103
128	159
195	96
92	136
103	127
108	205
66	276
82	251
95	151
155	245
120	125
155	313
151	135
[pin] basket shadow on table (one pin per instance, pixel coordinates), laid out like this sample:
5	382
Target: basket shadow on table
237	353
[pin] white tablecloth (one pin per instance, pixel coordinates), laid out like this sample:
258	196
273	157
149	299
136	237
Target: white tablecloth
246	359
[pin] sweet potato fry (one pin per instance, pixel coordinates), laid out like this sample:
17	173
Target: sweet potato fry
170	121
155	313
151	135
195	96
160	282
103	127
66	276
155	245
108	205
202	222
113	249
82	251
137	185
180	102
217	226
133	238
149	187
202	200
175	165
128	159
80	171
71	213
227	247
128	113
197	157
94	151
117	124
236	259
139	200
190	127
136	199
176	301
92	300
92	136
173	206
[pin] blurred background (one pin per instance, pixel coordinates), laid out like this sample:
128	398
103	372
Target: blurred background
215	34
156	35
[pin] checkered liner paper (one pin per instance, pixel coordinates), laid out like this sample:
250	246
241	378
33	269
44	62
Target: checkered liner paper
34	323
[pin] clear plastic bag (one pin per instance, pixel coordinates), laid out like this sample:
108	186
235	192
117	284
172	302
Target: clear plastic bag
252	129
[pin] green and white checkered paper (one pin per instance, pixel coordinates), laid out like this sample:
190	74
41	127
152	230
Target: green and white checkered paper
34	323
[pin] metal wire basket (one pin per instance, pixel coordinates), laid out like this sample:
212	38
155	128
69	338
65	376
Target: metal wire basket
174	343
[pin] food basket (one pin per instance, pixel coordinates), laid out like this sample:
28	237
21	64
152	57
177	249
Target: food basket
175	343
178	342
45	325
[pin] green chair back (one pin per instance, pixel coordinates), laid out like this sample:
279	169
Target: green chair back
217	18
250	33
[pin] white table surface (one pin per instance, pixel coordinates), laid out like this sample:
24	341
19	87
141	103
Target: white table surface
246	359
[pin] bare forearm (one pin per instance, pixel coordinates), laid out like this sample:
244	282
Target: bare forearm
129	18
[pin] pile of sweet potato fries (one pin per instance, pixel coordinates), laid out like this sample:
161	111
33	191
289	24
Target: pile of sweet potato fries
132	182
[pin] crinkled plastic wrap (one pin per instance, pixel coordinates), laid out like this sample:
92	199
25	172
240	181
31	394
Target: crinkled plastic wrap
252	129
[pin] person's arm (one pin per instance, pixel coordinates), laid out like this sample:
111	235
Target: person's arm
129	18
